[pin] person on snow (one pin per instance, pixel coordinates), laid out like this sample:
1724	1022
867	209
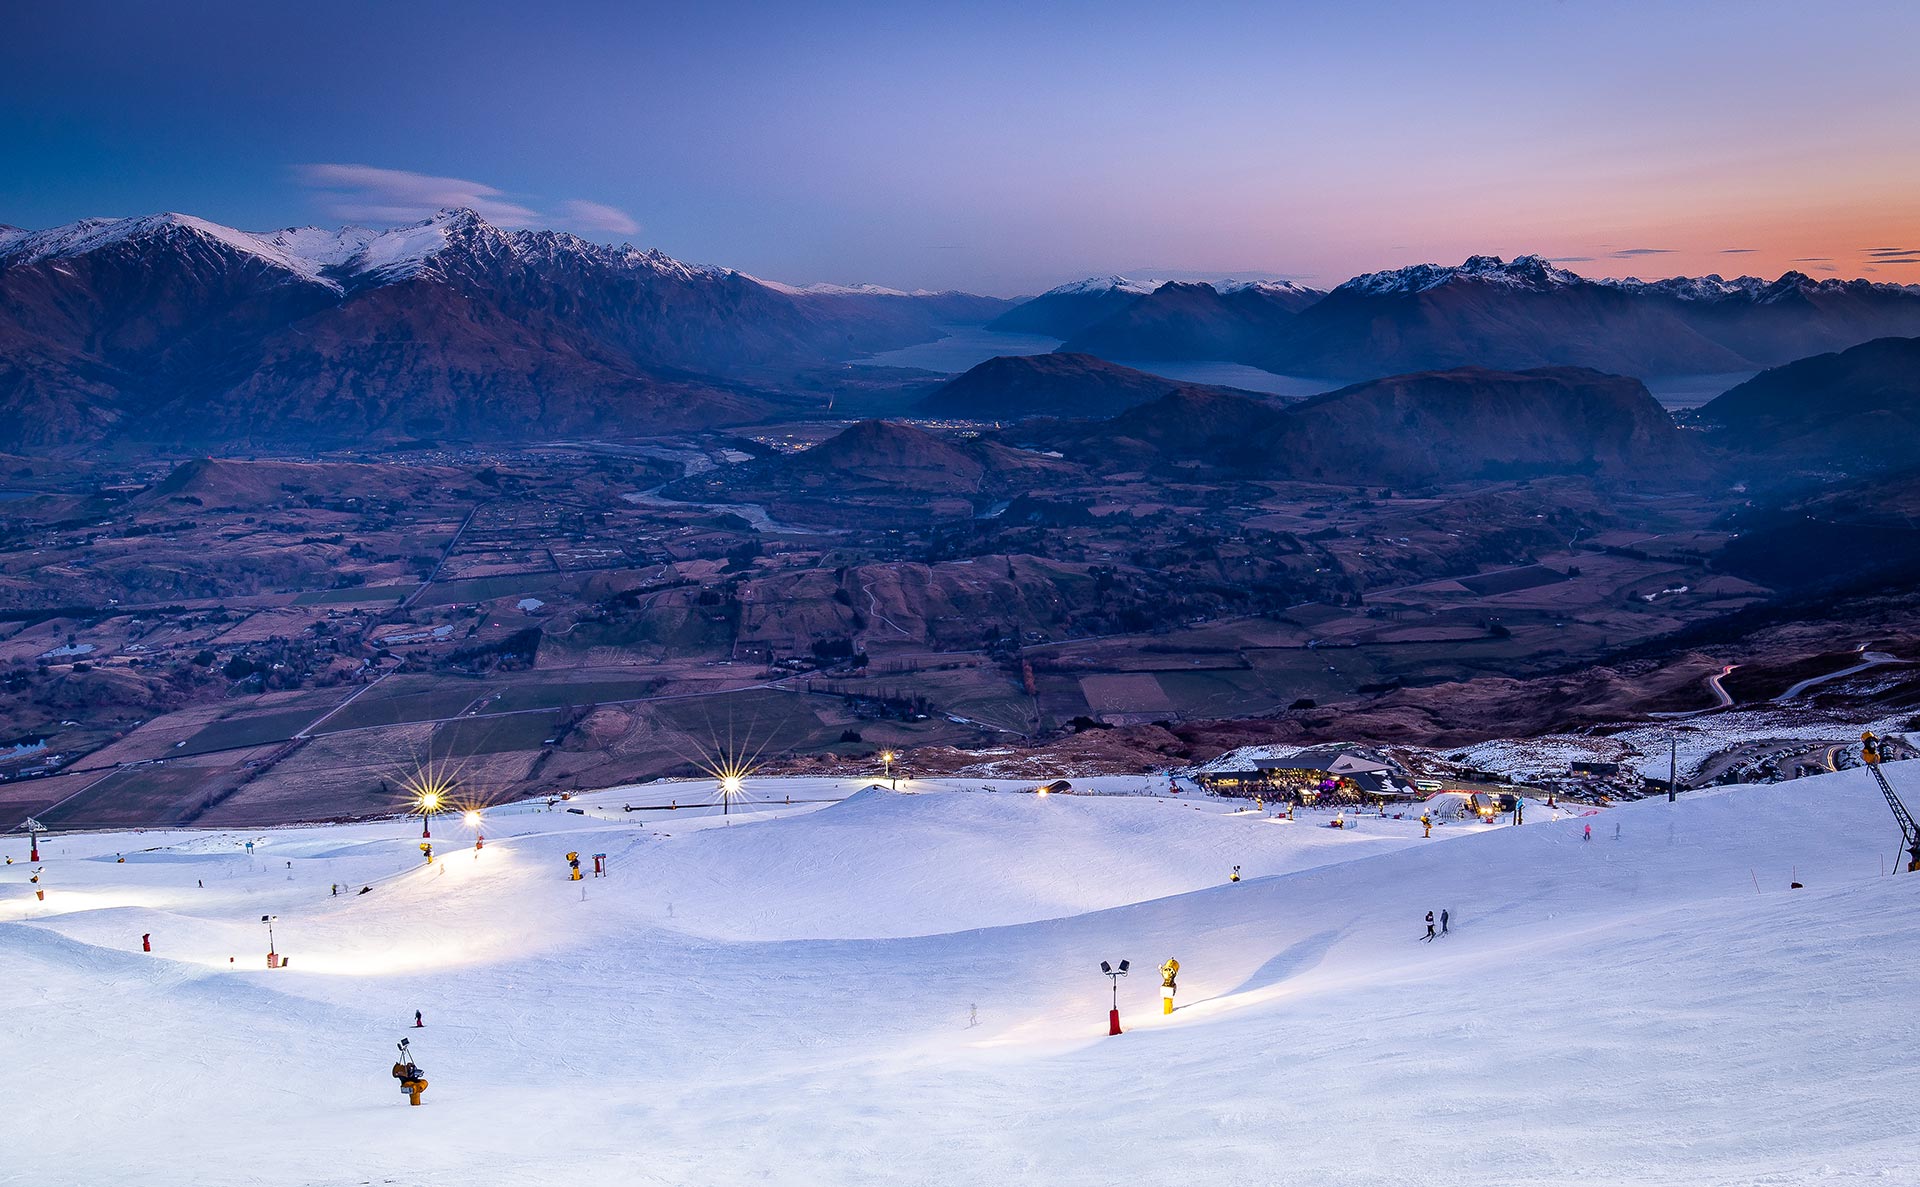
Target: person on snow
1443	921
1430	933
1587	834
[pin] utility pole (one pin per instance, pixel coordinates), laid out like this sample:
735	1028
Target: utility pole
1673	765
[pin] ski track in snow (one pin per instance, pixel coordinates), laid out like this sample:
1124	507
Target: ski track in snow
783	996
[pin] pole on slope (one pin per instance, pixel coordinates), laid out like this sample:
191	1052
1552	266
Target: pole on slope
1114	975
1673	765
34	829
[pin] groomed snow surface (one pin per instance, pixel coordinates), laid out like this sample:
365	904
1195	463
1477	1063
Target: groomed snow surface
905	988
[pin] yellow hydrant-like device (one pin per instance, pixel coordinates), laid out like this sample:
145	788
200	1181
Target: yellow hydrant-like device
413	1081
573	867
1168	972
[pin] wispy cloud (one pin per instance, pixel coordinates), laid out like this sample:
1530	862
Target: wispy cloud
1570	259
1811	259
370	194
1627	253
582	215
365	193
1885	252
1737	251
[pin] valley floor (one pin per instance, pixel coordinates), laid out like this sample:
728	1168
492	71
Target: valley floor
904	988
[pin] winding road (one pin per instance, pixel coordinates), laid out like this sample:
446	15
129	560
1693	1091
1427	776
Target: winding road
1868	659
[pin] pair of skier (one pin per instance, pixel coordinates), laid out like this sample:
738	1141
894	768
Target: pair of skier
1431	934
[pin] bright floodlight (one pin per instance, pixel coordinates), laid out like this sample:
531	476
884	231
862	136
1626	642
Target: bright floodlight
473	819
730	784
430	801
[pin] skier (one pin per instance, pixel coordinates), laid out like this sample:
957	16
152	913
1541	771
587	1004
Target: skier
417	1021
1587	834
1443	921
1430	933
146	941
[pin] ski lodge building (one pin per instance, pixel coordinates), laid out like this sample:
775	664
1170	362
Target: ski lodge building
1335	772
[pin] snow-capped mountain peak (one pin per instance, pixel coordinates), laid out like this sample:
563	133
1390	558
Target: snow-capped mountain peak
336	258
1283	287
1524	273
90	235
1103	284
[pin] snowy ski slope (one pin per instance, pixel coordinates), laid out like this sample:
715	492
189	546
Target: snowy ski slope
785	997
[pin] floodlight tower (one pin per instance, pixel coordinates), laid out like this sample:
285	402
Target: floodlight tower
427	804
730	786
1114	975
473	822
887	757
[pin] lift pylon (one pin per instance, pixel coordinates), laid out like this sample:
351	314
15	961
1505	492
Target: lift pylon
1871	753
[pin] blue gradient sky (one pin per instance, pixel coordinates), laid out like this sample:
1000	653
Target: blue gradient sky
1005	148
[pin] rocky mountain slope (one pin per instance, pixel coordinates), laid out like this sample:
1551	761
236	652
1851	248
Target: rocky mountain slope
169	328
1858	407
1064	311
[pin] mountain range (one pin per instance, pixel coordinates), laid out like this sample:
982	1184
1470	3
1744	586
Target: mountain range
170	328
1518	314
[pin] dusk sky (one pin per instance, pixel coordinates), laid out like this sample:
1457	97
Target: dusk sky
1004	148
